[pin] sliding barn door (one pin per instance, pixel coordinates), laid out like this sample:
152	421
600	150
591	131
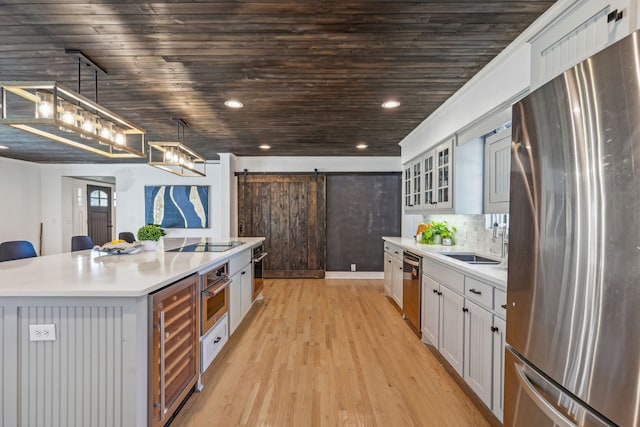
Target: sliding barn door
289	211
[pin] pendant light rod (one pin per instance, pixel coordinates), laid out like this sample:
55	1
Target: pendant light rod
85	60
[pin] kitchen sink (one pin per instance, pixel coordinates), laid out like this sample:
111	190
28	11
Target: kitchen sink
472	258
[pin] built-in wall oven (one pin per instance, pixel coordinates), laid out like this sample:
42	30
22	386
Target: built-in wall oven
411	292
214	306
257	261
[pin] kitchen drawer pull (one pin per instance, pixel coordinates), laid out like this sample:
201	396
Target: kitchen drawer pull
504	306
494	329
465	310
217	340
473	291
435	291
439	293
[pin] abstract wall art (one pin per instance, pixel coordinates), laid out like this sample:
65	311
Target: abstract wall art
177	206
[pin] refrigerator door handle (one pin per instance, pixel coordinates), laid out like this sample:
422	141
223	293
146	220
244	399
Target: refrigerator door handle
551	411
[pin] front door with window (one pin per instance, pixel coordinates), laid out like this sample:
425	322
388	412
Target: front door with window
99	224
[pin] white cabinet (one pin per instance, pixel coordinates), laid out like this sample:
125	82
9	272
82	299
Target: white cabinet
497	170
445	179
240	288
431	311
412	181
388	271
586	28
393	272
499	339
246	290
478	349
463	318
444	175
451	328
396	281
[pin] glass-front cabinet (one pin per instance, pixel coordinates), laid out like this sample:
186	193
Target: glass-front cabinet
412	181
427	180
444	156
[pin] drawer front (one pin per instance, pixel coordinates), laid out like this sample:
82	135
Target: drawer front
393	250
238	262
213	342
445	276
501	303
479	292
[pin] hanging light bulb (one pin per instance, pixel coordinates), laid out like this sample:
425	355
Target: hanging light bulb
88	122
106	129
68	114
44	105
119	137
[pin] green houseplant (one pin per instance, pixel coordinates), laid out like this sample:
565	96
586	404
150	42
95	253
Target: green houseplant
441	229
150	234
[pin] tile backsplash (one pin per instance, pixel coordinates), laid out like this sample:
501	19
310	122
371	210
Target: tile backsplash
472	232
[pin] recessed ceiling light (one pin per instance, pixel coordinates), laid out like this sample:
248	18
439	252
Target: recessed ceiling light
233	104
361	146
265	147
390	104
3	147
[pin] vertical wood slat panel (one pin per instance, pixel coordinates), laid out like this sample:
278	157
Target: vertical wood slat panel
82	358
289	211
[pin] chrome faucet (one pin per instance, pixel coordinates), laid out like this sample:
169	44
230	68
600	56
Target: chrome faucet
505	241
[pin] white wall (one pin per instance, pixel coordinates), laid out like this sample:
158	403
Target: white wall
20	196
130	182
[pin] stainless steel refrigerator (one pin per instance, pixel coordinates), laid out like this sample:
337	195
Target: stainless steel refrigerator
573	317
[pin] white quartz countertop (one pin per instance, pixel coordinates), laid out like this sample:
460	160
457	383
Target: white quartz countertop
93	274
493	274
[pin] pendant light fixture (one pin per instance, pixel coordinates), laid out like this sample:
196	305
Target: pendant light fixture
175	157
55	112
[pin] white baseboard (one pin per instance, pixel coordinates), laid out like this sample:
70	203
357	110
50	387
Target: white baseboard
354	275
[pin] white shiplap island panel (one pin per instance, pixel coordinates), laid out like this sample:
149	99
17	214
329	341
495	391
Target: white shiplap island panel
95	372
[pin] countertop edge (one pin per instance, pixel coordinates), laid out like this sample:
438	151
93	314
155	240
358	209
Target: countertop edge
74	292
492	274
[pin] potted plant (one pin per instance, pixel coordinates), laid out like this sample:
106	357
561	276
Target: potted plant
436	231
149	235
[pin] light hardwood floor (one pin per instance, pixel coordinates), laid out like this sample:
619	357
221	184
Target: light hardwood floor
327	353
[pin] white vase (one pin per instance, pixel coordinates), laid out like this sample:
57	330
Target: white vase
149	245
437	239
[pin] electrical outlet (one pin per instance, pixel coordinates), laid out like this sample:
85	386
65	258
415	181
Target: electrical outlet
42	332
353	267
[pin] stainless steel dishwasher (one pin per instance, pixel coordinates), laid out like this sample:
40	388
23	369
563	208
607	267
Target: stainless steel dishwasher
411	293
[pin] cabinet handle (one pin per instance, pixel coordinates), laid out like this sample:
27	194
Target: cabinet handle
163	409
435	291
244	272
396	252
473	291
217	340
465	310
494	329
433	203
439	293
504	306
389	261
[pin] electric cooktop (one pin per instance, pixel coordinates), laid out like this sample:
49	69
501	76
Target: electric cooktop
208	246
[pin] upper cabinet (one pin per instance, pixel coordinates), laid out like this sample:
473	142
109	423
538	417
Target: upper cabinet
497	169
447	178
580	32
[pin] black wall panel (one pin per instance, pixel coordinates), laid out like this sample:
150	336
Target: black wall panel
361	208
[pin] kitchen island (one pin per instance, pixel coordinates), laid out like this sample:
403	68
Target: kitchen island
95	372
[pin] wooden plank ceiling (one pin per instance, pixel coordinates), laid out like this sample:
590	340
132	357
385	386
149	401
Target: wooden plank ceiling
311	74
